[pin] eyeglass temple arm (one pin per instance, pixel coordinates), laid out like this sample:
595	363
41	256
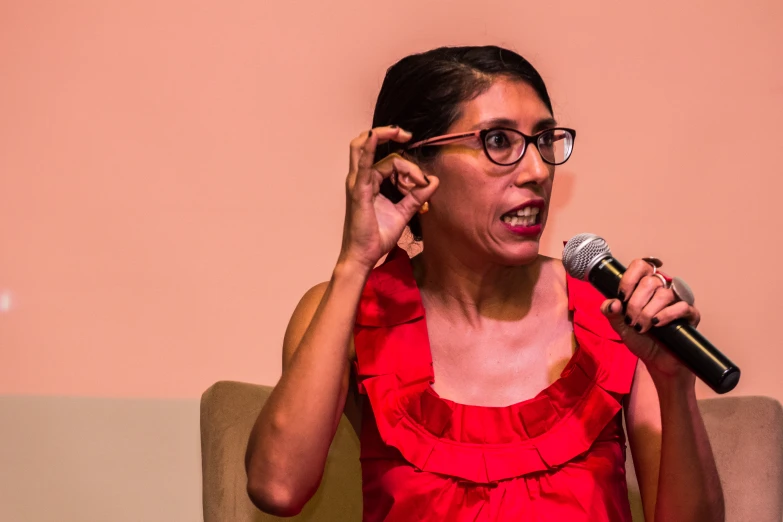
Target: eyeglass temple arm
443	140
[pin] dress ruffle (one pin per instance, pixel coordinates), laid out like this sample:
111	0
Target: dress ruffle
477	443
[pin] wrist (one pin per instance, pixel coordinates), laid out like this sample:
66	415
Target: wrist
674	385
350	272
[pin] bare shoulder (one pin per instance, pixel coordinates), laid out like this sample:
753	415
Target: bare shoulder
554	263
553	270
301	318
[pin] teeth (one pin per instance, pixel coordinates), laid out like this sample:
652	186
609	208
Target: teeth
527	211
516	221
525	217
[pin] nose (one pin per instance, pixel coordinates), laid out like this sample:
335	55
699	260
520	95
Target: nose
532	169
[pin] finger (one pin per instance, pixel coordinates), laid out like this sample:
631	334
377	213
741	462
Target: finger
633	274
612	307
613	310
408	173
641	296
365	161
662	298
413	200
383	134
392	133
356	151
678	310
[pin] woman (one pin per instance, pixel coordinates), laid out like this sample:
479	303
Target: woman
504	404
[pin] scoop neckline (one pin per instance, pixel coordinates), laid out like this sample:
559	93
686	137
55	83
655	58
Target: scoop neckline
427	349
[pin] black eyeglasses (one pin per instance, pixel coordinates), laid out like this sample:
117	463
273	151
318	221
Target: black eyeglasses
507	146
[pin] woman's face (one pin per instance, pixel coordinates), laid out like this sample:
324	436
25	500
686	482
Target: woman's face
484	205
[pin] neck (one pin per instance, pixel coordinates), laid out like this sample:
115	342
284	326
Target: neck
468	287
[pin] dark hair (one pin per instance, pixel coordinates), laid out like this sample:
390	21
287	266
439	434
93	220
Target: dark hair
422	93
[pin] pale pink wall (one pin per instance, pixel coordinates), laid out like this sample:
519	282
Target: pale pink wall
171	172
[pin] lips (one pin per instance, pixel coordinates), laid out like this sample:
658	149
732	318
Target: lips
524	219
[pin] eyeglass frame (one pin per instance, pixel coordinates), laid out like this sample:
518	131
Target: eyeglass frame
482	135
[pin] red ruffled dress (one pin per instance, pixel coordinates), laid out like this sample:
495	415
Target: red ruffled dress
559	456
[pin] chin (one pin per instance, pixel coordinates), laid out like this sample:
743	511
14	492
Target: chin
522	253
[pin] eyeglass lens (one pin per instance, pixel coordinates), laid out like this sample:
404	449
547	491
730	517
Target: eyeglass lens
506	146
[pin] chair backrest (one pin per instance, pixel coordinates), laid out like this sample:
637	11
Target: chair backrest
228	412
746	435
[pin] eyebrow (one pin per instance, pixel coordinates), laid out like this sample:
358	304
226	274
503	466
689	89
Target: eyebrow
507	122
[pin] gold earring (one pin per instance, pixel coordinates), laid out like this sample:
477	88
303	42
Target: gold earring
425	208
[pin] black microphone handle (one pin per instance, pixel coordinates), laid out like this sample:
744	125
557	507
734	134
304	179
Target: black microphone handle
681	339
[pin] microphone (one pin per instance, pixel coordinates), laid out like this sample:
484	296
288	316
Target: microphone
587	257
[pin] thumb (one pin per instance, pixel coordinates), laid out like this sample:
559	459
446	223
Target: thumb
613	310
414	199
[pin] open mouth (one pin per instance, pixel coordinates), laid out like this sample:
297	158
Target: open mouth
523	217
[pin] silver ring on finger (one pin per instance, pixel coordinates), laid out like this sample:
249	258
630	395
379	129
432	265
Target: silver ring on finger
666	283
682	291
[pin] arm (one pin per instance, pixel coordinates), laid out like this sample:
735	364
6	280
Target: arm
290	440
671	451
672	455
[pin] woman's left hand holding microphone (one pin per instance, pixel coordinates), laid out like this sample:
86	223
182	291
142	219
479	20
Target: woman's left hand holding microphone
644	302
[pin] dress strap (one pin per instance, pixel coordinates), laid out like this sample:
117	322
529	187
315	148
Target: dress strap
594	332
390	326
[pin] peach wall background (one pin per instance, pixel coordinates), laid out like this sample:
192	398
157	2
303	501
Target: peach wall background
171	173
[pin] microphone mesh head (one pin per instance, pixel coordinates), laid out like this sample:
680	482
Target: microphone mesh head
581	252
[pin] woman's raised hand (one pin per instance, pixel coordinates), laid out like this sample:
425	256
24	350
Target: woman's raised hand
373	224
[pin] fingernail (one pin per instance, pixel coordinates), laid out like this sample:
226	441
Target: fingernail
369	135
627	320
426	179
654	320
621	295
637	327
625	306
392	126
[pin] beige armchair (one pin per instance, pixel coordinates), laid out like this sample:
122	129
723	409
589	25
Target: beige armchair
746	435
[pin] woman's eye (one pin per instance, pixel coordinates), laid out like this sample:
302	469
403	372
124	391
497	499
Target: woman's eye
498	140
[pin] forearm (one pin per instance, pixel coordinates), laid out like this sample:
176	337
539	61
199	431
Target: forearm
689	488
290	440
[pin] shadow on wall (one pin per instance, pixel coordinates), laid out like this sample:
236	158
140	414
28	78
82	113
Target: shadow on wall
562	190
